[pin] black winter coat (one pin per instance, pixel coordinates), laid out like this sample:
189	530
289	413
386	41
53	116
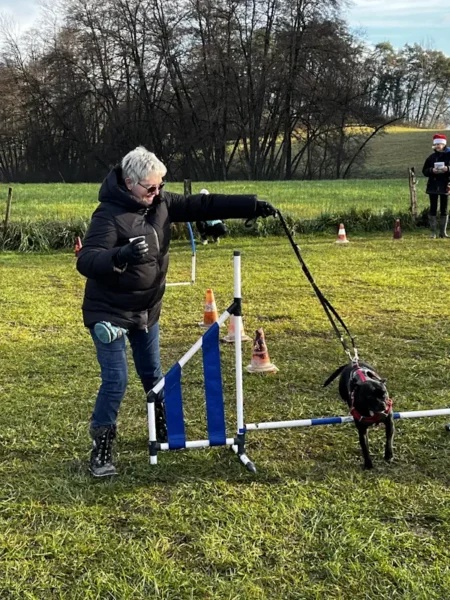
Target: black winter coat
132	297
437	182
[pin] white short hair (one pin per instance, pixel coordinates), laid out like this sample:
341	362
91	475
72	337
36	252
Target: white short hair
140	163
204	191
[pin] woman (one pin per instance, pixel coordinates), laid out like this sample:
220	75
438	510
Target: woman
436	168
125	256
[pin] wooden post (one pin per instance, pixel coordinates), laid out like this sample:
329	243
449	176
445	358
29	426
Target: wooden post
187	187
413	191
8	211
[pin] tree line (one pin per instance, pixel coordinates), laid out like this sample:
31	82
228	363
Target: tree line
218	89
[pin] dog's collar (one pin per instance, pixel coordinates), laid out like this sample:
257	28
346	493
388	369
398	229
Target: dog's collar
375	418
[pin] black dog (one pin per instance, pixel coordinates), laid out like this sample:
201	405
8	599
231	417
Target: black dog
369	403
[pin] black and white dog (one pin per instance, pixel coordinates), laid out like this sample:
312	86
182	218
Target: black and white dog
367	397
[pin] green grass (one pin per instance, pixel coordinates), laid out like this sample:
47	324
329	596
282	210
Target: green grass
311	524
392	154
302	199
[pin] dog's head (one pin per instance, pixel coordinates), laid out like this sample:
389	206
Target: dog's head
371	397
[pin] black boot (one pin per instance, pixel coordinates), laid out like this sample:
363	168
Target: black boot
160	418
433	227
101	463
443	226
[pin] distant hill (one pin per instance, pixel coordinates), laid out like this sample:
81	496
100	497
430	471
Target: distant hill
392	153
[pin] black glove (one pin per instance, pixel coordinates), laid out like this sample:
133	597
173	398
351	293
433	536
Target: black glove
264	209
132	253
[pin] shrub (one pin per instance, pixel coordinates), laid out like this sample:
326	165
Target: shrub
28	236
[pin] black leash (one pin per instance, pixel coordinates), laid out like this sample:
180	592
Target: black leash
330	311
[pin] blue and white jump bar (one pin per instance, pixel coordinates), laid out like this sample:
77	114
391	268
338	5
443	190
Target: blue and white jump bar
416	414
193	261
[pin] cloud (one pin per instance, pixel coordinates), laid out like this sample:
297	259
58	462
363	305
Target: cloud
24	12
432	12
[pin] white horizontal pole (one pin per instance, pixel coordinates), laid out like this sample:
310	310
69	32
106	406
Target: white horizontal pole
198	444
181	283
417	414
345	419
297	423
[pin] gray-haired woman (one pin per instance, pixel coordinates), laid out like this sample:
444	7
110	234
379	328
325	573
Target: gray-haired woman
125	256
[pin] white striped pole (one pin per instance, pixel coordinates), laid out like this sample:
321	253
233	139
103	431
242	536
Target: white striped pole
238	345
193	268
239	449
417	414
152	431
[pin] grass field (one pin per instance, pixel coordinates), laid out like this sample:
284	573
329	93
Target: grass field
391	155
302	199
311	525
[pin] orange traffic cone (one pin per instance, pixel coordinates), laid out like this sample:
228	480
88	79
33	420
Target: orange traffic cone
397	230
78	246
230	337
342	237
260	359
210	314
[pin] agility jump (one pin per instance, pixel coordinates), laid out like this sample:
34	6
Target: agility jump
215	412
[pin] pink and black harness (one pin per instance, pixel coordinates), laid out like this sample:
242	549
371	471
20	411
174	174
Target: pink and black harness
363	374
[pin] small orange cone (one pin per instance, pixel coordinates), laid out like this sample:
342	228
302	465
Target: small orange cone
210	314
230	337
397	230
78	246
342	237
260	359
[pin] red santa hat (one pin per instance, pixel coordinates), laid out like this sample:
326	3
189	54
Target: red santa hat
439	139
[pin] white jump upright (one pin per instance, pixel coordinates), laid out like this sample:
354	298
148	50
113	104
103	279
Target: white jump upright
171	384
193	261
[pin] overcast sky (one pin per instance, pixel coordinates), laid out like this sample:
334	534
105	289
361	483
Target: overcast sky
24	12
398	21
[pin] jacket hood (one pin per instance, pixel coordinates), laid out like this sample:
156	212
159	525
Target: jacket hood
113	189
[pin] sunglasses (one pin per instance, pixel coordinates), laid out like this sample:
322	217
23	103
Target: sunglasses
153	188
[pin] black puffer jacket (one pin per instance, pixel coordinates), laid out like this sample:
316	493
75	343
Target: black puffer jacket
437	182
131	298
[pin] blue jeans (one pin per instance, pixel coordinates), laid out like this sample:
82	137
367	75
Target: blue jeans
114	372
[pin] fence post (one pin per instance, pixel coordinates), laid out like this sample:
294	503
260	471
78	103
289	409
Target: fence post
187	187
413	191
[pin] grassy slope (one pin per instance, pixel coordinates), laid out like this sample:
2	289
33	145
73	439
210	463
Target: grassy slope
311	524
391	155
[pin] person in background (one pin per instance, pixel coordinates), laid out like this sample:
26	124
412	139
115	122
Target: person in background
215	228
125	256
436	168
